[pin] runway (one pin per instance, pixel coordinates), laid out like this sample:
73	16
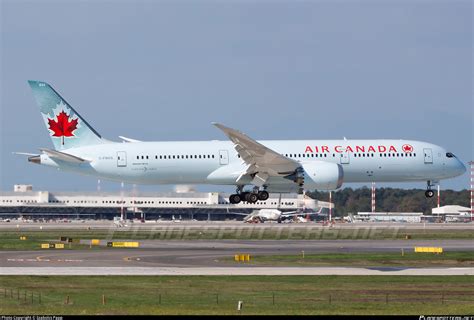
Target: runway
203	249
203	254
245	271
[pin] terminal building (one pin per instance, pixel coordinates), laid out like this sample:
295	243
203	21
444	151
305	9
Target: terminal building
27	203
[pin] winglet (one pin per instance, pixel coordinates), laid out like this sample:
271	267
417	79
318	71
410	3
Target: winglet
222	127
233	134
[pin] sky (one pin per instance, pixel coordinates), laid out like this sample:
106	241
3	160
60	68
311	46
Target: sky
164	70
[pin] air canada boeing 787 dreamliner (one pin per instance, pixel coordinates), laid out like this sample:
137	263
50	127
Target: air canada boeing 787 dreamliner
263	166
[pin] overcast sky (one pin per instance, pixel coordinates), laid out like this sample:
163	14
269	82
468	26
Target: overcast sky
164	70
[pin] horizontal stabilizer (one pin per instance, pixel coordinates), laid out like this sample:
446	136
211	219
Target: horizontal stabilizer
125	139
26	154
63	156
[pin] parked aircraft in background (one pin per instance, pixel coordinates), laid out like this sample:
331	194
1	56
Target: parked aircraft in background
263	215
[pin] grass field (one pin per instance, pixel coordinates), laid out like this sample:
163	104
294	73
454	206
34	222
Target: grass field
362	259
220	295
9	240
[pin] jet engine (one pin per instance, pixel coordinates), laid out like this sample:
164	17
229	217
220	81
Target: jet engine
322	175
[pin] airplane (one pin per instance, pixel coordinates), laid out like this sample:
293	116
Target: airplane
262	215
277	215
265	166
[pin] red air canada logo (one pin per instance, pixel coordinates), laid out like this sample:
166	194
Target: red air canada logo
63	126
407	148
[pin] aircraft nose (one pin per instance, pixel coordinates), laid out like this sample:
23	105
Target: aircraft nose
461	168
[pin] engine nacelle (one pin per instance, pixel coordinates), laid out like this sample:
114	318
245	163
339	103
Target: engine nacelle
322	175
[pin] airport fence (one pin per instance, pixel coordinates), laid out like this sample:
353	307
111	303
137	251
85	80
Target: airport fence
23	296
251	300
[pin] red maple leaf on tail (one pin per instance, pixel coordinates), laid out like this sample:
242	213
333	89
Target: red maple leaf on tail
62	127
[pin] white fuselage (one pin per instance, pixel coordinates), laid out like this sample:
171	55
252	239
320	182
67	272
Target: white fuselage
217	162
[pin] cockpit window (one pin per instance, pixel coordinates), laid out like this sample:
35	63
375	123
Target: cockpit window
449	155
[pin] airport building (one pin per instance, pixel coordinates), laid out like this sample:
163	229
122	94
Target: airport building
389	217
101	205
452	213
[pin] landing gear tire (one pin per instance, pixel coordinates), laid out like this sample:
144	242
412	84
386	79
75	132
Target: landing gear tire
234	198
263	195
252	198
429	193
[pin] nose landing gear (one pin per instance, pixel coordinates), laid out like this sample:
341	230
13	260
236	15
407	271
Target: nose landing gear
429	193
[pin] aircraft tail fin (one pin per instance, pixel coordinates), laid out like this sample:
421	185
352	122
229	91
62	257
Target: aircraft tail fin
66	127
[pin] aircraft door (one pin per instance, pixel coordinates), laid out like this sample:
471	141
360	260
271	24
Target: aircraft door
223	157
121	159
428	155
345	158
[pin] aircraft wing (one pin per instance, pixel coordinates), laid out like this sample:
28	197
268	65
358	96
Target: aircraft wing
262	162
63	156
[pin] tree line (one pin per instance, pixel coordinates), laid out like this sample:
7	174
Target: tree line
350	200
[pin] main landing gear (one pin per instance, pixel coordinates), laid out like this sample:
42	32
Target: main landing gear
429	193
250	197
